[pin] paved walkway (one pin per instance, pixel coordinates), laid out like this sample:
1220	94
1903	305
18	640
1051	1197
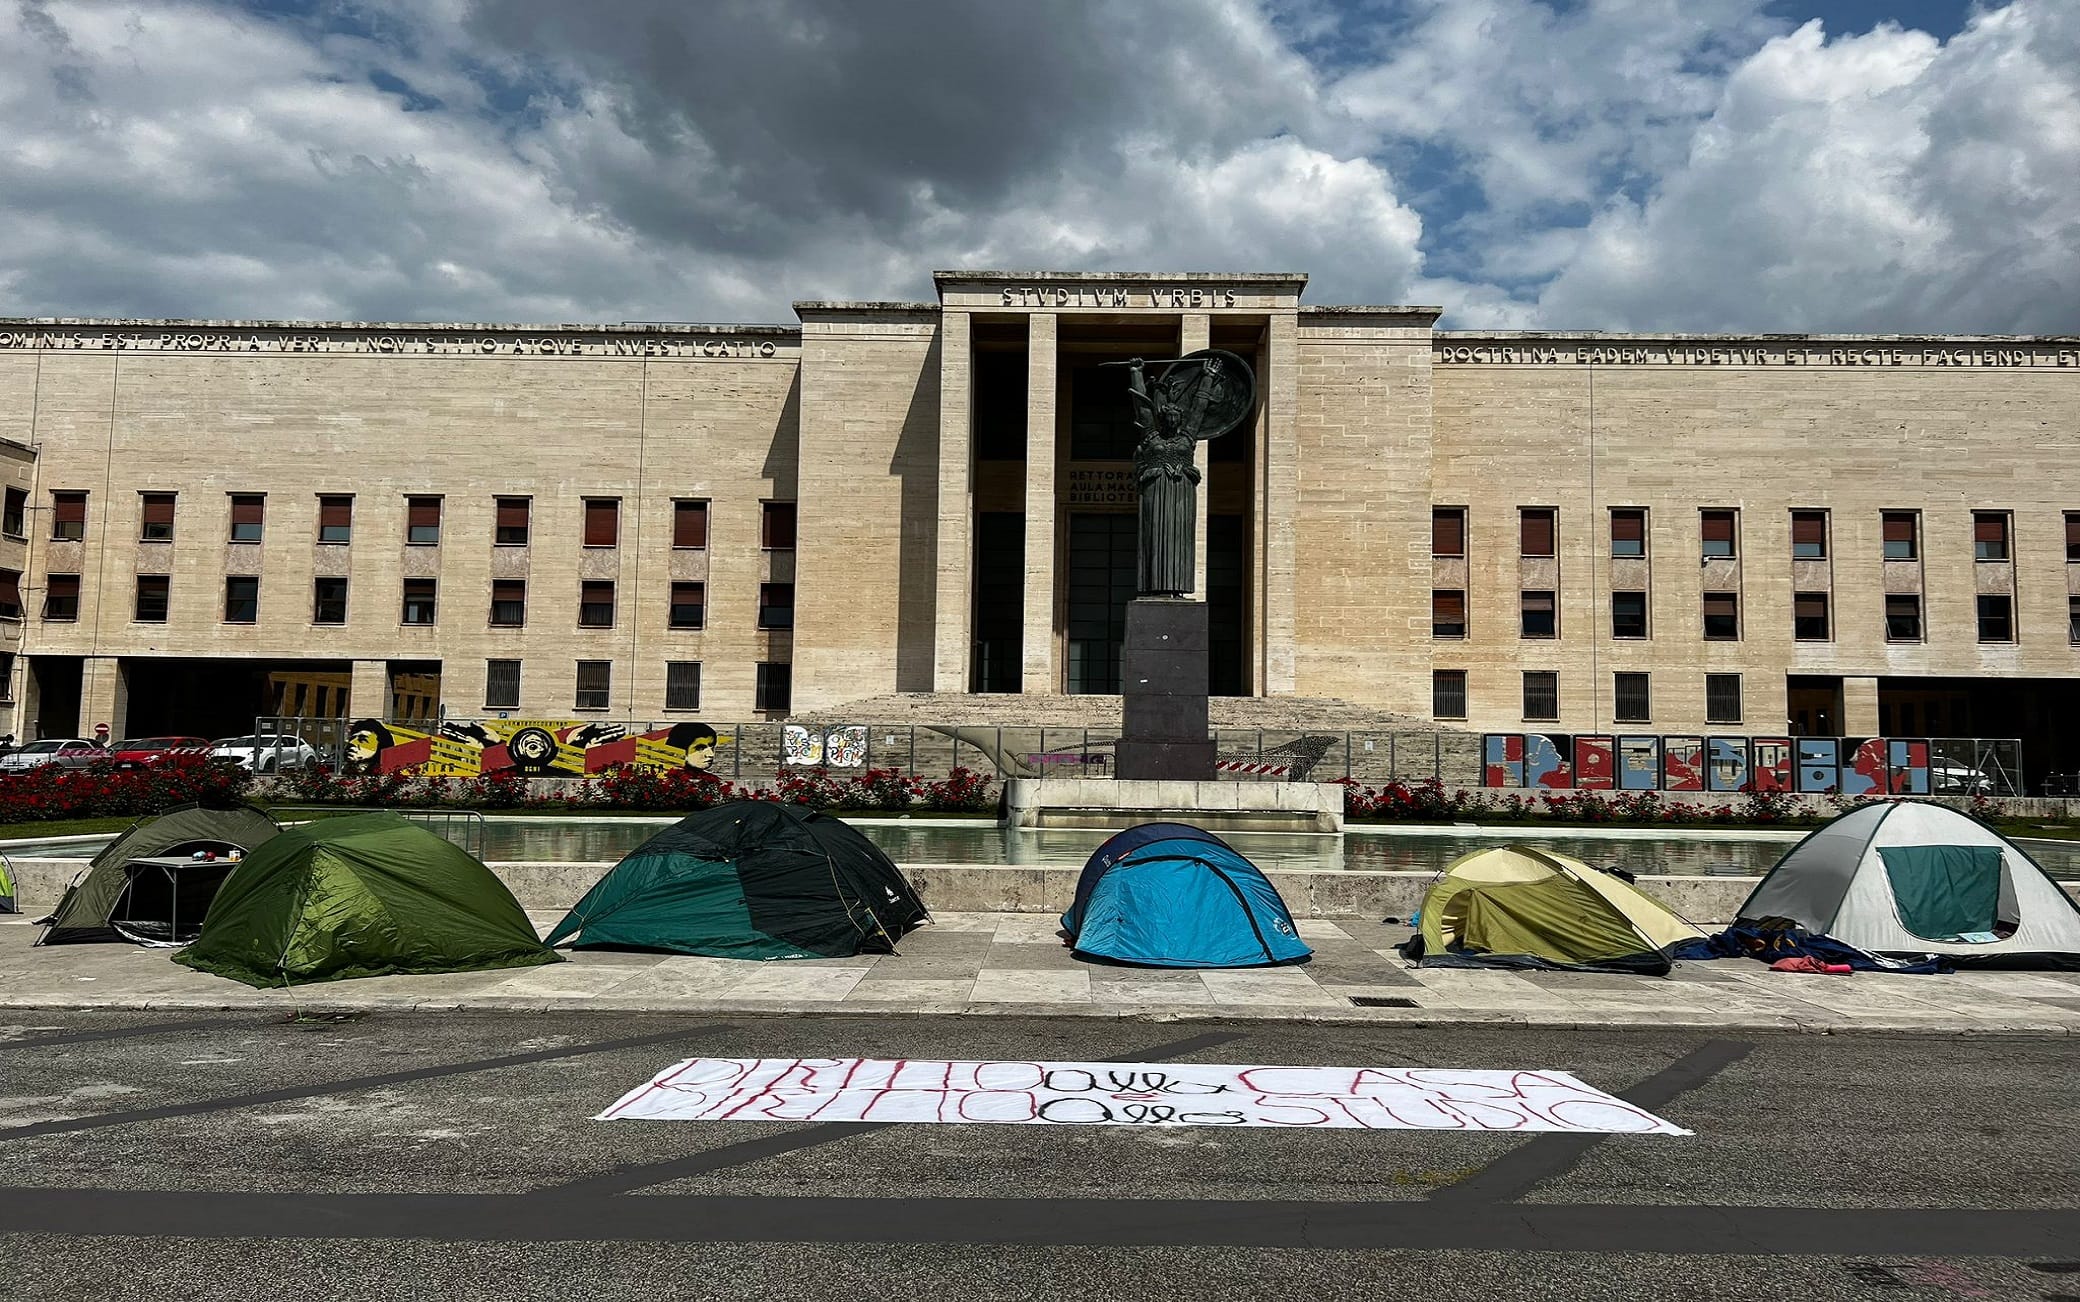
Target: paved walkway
1014	963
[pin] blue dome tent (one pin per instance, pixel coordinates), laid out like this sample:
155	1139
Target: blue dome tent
1171	895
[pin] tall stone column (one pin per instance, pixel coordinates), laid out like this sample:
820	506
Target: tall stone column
369	693
953	569
1279	506
104	697
1194	333
1038	674
1859	707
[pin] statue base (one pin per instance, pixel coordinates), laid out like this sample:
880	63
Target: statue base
1163	678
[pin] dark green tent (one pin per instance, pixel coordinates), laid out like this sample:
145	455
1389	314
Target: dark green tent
112	900
367	895
749	879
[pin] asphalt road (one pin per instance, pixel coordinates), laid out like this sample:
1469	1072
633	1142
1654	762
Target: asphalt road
452	1156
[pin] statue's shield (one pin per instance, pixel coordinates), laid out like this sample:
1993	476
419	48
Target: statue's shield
1207	393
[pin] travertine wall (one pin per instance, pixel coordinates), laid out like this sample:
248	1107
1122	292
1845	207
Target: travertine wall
1675	436
467	428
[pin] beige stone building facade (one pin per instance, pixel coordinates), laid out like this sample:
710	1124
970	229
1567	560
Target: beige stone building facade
209	521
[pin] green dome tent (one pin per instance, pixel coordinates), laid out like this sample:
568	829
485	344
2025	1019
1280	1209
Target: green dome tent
367	895
118	899
749	879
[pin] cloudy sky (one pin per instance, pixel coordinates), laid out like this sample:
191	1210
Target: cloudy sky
1698	165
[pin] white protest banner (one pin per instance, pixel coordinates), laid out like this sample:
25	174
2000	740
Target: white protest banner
1128	1094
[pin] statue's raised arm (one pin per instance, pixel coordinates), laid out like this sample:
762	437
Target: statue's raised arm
1199	396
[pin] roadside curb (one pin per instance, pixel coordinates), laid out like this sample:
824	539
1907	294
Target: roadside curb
1411	1018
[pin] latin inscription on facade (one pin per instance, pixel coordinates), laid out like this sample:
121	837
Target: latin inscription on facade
396	343
1697	354
1114	296
1103	486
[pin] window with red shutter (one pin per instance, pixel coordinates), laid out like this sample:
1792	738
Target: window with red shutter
1628	531
602	521
690	523
1535	530
1900	535
1990	535
1448	531
1809	535
1717	528
512	522
335	519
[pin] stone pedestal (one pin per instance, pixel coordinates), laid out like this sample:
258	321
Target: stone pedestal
1163	676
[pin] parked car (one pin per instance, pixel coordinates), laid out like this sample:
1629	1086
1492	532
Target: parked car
143	752
66	752
266	752
1948	777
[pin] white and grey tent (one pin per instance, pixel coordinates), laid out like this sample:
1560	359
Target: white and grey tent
1916	877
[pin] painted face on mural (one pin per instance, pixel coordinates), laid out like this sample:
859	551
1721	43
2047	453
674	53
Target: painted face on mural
698	741
366	741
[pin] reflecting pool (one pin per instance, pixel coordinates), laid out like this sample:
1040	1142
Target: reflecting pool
1384	849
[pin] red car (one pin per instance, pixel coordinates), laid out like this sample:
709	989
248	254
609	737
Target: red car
143	752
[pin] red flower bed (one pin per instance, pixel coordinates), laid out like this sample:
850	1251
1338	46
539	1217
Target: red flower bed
103	791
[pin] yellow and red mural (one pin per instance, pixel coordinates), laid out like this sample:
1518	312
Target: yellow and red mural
529	747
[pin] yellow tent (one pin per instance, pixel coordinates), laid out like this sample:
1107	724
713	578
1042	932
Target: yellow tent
1514	906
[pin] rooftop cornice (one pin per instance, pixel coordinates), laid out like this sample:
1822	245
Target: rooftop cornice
1297	279
392	327
808	305
1405	309
1621	337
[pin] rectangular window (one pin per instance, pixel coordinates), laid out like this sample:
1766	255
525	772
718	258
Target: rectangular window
2073	619
1722	616
1448	693
418	601
1541	694
1535	531
1996	617
775	687
508	603
1989	535
1447	613
248	516
776	521
335	518
595	684
1902	535
501	684
1809	616
689	605
1902	617
2073	535
602	522
14	514
329	601
596	603
1628	531
6	675
68	517
690	522
1633	703
1809	535
1722	698
1447	531
1537	614
10	594
242	599
422	520
152	598
511	527
1717	529
682	685
61	597
776	605
1628	614
156	510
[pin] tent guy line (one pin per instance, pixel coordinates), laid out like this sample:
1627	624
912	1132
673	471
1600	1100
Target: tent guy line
1523	1168
629	1178
356	1083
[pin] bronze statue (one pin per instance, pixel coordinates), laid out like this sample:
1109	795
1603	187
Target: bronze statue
1199	396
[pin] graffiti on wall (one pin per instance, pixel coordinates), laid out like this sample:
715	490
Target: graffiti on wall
528	747
838	748
1807	765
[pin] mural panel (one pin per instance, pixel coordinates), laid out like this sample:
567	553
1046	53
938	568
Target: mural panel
1819	765
1908	768
1639	763
1728	766
1773	765
1595	763
529	747
1682	763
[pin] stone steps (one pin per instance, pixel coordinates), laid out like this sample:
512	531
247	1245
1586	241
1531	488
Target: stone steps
962	709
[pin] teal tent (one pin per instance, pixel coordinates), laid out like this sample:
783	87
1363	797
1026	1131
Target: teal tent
366	895
1172	895
749	879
